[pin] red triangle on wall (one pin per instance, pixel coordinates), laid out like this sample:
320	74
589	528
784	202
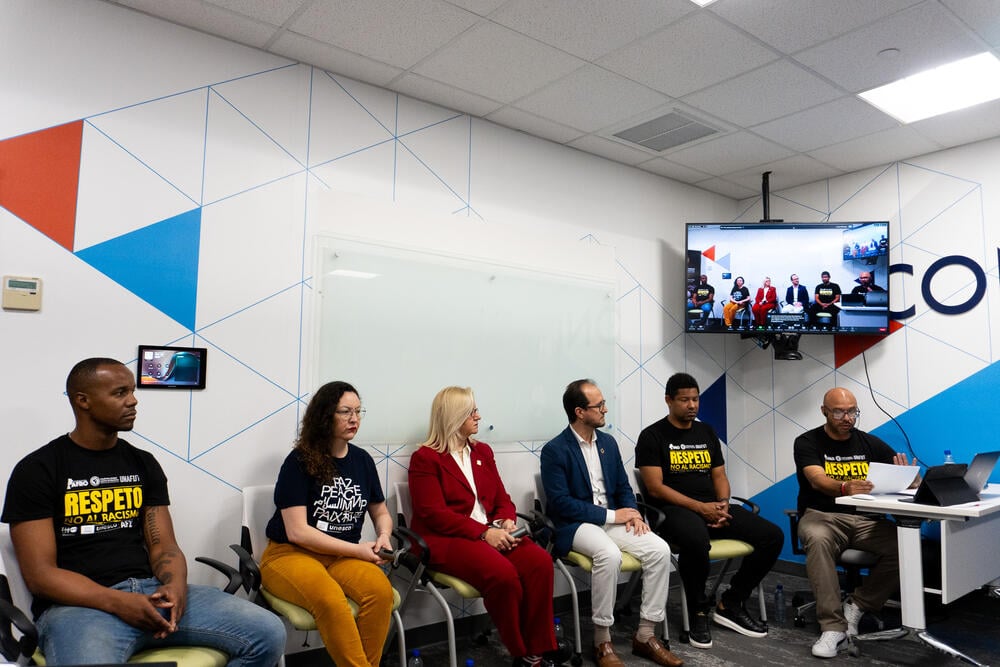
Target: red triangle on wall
39	174
710	253
846	348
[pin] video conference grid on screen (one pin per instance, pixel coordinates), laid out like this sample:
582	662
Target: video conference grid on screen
728	266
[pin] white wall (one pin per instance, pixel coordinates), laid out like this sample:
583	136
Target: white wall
175	121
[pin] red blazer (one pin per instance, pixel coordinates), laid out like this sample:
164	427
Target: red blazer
771	296
442	497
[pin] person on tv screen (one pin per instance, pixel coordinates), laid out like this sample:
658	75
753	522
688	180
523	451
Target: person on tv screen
703	298
825	300
739	298
866	284
765	301
796	296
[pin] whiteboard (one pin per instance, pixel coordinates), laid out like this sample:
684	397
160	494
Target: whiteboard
401	323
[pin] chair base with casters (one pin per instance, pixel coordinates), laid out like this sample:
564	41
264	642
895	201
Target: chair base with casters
22	646
258	507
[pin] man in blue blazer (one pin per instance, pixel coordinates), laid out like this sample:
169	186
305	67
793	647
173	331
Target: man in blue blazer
591	503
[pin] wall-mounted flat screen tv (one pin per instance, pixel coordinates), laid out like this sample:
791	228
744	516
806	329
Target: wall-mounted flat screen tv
163	367
789	277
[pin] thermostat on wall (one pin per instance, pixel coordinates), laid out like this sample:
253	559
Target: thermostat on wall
20	293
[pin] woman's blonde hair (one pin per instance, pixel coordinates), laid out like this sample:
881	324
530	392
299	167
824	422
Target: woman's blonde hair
451	407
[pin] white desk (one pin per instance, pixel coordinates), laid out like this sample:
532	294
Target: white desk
970	542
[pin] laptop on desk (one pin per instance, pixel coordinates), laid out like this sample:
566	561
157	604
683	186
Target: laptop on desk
980	470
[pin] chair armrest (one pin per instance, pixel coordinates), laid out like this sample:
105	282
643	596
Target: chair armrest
749	504
654	516
12	618
249	570
235	582
417	554
793	532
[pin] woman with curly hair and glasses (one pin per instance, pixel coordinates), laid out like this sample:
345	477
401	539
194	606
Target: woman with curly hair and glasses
315	556
463	512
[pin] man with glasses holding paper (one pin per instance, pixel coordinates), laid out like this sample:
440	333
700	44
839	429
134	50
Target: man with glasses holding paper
832	460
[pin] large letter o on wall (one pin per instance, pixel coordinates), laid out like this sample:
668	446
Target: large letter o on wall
971	302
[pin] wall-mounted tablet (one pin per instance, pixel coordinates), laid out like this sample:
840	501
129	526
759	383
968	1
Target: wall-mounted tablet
163	367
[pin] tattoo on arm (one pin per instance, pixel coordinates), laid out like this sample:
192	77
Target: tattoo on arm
152	527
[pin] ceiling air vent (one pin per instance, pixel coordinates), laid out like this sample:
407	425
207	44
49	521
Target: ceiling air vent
667	131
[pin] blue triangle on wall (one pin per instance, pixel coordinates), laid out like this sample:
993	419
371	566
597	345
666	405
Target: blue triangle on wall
158	263
712	407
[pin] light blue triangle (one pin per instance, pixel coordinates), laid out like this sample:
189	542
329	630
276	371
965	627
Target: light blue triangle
158	263
724	261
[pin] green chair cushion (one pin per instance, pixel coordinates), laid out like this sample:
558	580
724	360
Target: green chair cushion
301	619
726	549
460	586
183	656
629	562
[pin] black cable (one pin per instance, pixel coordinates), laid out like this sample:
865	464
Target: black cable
909	447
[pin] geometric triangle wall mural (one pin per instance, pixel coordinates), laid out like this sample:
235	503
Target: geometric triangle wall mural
712	407
40	173
158	263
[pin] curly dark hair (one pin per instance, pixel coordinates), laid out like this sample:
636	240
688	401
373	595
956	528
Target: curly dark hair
316	434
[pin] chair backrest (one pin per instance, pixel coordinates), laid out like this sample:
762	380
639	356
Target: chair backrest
539	493
9	567
404	508
258	508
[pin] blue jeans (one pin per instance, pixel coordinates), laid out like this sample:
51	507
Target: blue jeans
250	635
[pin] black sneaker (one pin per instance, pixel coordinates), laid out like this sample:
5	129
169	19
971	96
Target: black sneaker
736	617
700	635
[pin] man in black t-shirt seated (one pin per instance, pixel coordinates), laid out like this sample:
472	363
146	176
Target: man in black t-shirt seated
832	460
681	464
90	524
703	298
866	284
825	300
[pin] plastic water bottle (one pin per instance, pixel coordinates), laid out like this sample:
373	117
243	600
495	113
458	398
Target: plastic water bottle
415	659
564	649
948	458
779	604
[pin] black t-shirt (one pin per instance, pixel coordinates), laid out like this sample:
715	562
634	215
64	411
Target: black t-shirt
861	289
740	293
337	506
842	460
704	292
686	457
827	292
95	500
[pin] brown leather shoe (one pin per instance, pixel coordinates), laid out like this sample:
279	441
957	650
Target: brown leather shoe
604	656
655	651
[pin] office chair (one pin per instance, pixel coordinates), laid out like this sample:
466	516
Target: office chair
726	550
258	508
19	636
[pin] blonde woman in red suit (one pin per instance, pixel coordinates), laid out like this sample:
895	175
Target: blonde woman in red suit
765	302
462	510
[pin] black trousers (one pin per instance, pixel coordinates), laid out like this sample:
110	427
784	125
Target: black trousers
689	537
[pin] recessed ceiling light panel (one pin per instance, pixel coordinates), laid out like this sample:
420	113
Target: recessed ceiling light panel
963	83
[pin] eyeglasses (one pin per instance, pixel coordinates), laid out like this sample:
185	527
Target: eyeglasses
599	406
840	414
346	413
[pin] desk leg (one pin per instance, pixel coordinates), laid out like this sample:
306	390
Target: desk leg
911	586
911	574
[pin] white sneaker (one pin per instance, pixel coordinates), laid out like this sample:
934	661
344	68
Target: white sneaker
853	614
828	644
